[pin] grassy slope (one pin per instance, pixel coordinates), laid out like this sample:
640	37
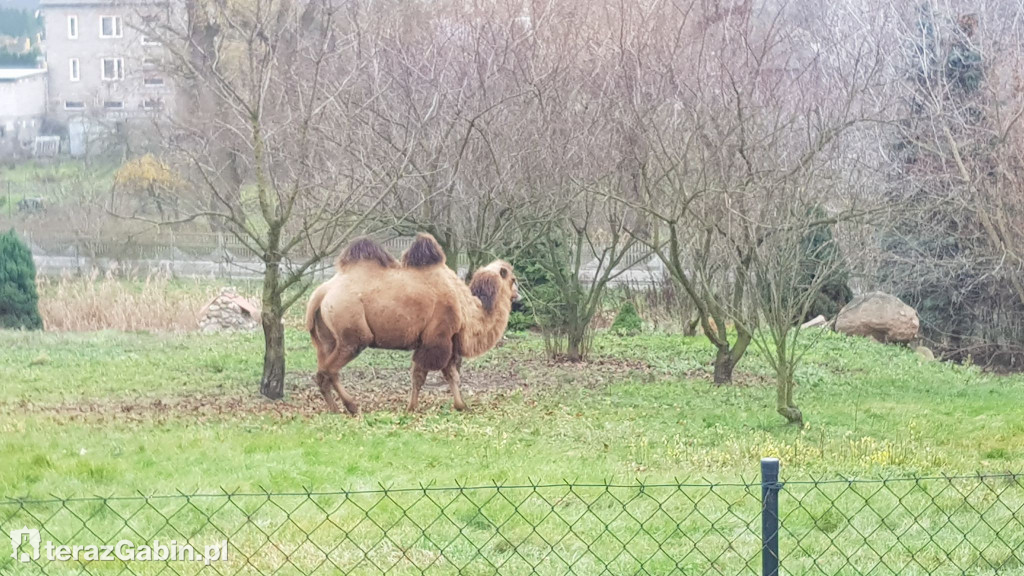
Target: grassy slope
872	410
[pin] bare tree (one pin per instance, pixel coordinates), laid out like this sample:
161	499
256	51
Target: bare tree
736	121
460	110
273	143
583	253
954	250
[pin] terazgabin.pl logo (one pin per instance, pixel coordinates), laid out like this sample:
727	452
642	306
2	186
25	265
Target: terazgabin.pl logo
21	540
26	546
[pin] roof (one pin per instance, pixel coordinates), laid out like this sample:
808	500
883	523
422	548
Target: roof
15	74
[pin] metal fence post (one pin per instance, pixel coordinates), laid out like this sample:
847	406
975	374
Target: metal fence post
770	516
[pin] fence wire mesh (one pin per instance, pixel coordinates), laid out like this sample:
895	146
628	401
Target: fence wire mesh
962	525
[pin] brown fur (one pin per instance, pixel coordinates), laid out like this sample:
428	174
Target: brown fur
424	251
485	287
364	249
425	309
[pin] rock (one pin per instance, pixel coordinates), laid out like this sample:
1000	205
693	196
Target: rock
881	316
924	352
229	311
818	320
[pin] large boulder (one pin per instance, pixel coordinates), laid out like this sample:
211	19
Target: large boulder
881	316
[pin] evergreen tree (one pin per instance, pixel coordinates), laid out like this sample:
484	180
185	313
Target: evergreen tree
822	264
628	321
19	302
939	256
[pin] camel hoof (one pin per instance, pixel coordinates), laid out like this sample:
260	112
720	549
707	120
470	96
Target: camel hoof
352	409
461	407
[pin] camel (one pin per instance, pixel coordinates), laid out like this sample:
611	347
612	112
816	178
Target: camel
418	304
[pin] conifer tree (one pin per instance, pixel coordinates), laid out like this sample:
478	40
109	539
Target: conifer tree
19	301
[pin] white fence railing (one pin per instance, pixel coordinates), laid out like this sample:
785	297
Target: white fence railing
225	256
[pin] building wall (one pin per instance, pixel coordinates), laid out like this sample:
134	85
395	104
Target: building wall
24	97
23	106
90	49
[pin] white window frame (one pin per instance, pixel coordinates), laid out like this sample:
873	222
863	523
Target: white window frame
159	106
116	25
118	67
74	70
144	39
153	82
66	107
72	27
120	107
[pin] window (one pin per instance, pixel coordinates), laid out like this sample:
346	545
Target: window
110	26
74	105
113	104
153	104
149	40
150	63
73	70
153	81
113	68
73	27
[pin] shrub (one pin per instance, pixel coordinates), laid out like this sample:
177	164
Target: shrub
540	300
822	262
19	301
520	321
627	321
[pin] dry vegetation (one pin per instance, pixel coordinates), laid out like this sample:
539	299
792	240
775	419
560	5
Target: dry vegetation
155	302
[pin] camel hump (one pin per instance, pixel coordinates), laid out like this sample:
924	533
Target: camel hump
364	249
424	252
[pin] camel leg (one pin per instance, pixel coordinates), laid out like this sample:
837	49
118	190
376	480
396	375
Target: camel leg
329	382
419	376
346	398
323	381
451	375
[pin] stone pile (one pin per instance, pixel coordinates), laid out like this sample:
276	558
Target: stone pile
229	311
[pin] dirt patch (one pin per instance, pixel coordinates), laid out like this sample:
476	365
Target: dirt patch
374	389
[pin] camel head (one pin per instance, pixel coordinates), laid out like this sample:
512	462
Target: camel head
495	283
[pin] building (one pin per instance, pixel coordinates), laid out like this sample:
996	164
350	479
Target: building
23	98
101	63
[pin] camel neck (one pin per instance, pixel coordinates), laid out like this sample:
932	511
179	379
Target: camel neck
483	328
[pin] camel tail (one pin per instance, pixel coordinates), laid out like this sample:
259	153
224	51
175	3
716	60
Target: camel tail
424	252
364	249
322	336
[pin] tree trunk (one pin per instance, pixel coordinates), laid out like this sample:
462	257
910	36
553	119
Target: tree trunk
573	354
272	383
784	398
724	363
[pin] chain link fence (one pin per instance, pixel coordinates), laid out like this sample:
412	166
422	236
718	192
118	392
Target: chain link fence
906	526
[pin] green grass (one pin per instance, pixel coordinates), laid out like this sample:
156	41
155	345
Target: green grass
643	409
871	410
68	182
51	173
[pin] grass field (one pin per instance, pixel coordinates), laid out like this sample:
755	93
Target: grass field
112	413
99	413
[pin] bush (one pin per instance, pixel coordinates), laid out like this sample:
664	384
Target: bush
821	257
19	301
520	321
541	301
627	321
